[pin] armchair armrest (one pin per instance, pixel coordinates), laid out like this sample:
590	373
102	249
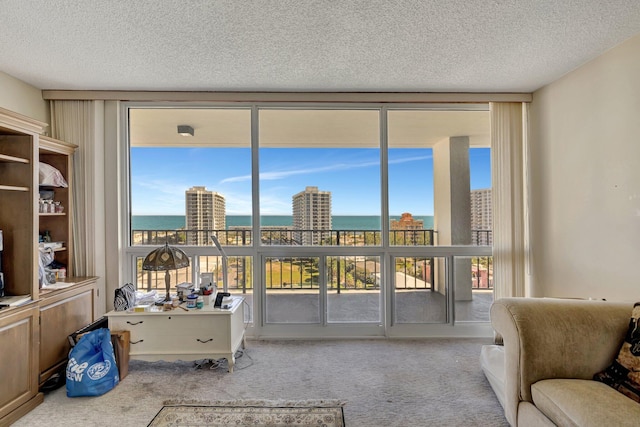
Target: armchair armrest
555	338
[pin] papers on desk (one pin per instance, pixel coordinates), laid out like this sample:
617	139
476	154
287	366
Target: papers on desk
146	298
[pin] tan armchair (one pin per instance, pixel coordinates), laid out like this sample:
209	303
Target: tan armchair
552	349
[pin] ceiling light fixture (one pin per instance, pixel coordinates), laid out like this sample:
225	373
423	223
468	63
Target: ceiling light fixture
185	130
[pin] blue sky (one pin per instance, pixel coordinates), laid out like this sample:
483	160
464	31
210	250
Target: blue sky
160	177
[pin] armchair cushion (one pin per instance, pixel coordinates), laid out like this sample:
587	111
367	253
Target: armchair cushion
624	373
566	403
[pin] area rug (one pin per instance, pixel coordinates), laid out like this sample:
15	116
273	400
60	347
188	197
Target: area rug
257	413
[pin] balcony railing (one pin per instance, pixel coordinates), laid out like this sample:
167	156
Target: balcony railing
285	237
345	272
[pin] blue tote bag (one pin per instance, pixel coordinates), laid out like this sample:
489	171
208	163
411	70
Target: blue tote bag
92	369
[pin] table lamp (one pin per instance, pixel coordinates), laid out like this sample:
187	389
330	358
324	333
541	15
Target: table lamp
165	258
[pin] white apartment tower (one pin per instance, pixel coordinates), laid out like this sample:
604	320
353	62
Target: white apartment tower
312	211
205	210
481	216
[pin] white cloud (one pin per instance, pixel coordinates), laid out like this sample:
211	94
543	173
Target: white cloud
276	175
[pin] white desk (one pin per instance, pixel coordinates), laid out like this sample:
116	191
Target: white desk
207	333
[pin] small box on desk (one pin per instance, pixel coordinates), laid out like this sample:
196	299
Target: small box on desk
120	341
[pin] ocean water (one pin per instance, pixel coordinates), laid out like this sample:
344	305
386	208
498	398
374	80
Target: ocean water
339	222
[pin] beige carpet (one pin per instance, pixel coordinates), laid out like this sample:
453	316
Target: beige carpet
430	382
250	413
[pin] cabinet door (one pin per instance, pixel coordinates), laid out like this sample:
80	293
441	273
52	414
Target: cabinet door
18	376
57	322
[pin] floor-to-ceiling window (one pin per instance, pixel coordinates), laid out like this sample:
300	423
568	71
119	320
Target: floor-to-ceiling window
190	178
362	213
438	164
320	190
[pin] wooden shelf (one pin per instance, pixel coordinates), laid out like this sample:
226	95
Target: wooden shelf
12	159
13	188
52	214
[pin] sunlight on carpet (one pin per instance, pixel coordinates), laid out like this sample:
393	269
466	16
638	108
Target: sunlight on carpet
250	413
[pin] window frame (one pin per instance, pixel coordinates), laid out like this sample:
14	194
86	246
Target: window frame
259	252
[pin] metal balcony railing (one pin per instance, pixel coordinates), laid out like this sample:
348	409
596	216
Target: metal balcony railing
284	236
345	272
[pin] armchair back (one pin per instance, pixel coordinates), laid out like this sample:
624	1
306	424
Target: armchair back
548	338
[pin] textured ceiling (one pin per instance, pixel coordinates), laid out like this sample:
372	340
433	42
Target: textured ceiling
297	45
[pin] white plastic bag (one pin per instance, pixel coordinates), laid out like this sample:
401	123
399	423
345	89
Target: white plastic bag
45	258
51	176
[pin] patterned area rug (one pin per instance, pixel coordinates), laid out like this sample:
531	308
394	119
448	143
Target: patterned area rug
322	413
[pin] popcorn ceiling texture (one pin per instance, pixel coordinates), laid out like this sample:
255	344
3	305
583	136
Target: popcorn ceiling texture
380	382
322	45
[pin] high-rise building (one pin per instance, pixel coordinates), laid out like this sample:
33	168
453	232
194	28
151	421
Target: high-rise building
407	222
399	228
312	213
205	210
481	216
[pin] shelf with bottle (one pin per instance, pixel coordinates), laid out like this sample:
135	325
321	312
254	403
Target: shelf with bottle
50	207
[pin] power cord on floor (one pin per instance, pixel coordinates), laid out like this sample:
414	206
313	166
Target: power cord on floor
222	363
246	324
239	354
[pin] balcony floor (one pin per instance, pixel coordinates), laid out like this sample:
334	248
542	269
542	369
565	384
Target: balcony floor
411	306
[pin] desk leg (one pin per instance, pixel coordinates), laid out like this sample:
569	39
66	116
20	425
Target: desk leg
231	361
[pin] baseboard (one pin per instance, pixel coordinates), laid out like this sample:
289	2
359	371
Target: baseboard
22	410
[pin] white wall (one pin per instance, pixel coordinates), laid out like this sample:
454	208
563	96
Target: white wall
585	180
18	96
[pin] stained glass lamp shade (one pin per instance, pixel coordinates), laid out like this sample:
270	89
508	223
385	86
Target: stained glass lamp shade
165	258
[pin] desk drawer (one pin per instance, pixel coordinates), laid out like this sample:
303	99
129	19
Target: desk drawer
158	343
137	325
175	333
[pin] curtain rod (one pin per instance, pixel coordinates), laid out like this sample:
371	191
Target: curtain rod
346	97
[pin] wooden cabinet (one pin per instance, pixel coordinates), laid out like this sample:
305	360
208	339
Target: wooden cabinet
19	326
33	336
